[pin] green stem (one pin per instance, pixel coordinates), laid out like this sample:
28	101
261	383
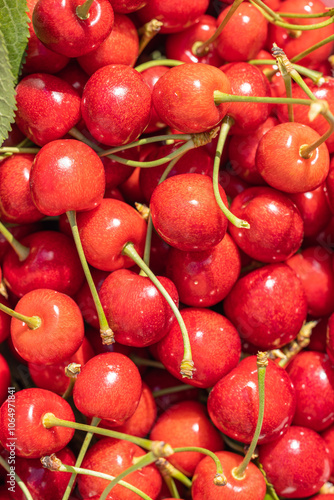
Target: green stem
33	322
150	140
187	364
18	150
18	480
328	13
74	132
172	486
234	445
147	362
309	73
220	478
81	456
106	333
158	62
306	52
287	80
148	32
147	459
224	130
267	10
82	11
220	97
69	389
148	240
168	470
262	363
171	390
21	251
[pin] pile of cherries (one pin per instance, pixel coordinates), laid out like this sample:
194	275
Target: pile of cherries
166	251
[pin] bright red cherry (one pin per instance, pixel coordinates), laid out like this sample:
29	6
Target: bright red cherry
127	6
63	30
151	76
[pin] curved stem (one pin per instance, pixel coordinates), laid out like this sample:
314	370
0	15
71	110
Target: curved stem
106	333
147	459
82	11
81	456
315	76
262	363
148	32
187	365
69	389
18	480
327	13
172	487
32	322
21	251
17	150
150	140
220	479
168	470
158	62
225	127
172	390
306	52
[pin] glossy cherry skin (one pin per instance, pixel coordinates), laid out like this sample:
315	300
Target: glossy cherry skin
75	76
251	487
276	227
33	439
205	329
4	379
151	76
234	401
16	205
297	464
109	386
267	306
124	112
204	278
187	424
243	37
175	15
280	164
314	268
85	300
4	321
113	456
182	45
127	6
136	311
62	31
47	107
185	212
247	80
52	262
43	483
183	97
312	375
105	230
120	47
61	331
328	436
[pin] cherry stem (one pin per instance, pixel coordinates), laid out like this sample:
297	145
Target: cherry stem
168	470
147	362
18	480
21	251
280	60
148	32
158	62
187	364
81	456
262	363
8	151
234	445
224	130
57	465
32	322
270	489
171	390
106	332
147	459
219	479
328	13
306	52
171	486
315	76
302	340
82	11
69	389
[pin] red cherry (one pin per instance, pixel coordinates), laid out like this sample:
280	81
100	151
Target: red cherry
187	424
47	107
85	300
151	76
18	232
202	224
4	321
116	105
4	379
127	6
61	29
206	329
183	97
109	386
61	329
297	464
33	440
105	231
75	76
330	185
267	306
276	227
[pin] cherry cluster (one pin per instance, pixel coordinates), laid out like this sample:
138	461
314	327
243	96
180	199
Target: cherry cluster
166	252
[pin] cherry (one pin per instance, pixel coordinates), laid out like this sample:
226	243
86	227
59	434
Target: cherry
136	311
318	337
233	402
124	112
312	375
151	76
109	386
206	329
85	300
202	225
75	76
57	328
244	35
18	232
4	321
330	338
127	6
4	379
267	306
276	228
204	278
296	464
187	424
32	439
330	185
183	97
69	30
47	107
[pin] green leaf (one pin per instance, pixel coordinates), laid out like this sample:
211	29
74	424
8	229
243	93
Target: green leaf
7	92
14	26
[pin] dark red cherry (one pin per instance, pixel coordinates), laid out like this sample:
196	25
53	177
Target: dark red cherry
63	31
4	321
5	379
330	185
